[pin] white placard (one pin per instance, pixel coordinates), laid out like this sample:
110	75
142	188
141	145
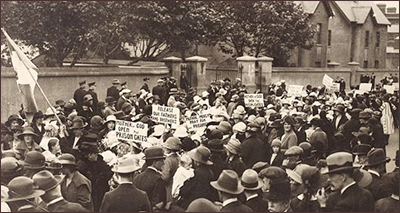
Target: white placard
165	115
335	87
396	86
131	131
295	90
254	100
197	121
327	81
365	87
389	88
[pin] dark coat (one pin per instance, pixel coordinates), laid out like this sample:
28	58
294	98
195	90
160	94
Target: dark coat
95	100
65	206
387	179
278	160
198	187
145	87
99	173
342	121
113	92
125	198
298	205
152	183
236	207
37	131
387	205
354	199
236	164
218	165
376	188
78	97
257	204
301	135
78	191
161	92
252	151
171	164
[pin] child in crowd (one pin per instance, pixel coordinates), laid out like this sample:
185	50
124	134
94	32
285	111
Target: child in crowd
183	173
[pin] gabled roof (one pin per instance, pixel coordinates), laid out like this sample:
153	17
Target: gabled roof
353	12
309	7
361	13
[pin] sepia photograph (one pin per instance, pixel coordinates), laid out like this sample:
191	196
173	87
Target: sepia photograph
200	106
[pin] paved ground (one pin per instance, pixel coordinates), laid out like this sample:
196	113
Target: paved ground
392	148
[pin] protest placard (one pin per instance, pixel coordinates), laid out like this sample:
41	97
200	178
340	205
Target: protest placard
365	87
396	86
197	121
131	131
295	90
254	100
327	81
335	87
389	88
165	115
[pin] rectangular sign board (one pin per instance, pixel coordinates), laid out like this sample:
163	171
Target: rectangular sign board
254	100
197	121
295	90
131	131
165	115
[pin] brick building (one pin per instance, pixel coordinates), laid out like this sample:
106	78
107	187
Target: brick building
392	49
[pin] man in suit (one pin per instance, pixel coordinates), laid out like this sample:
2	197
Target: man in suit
160	91
145	84
150	180
377	166
347	196
92	87
52	197
252	184
126	197
79	93
113	91
228	188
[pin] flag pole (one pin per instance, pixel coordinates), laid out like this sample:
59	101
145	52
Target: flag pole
41	91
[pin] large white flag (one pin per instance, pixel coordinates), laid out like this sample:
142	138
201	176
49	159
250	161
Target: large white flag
26	74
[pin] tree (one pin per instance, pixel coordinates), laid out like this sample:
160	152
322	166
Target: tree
56	28
271	28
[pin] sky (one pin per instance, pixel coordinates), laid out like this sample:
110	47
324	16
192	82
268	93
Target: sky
389	4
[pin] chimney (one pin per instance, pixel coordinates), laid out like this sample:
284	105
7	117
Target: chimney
391	10
382	7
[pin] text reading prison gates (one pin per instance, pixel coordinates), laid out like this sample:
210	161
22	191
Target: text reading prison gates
131	131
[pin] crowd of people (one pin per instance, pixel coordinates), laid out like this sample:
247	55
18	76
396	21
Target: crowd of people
316	151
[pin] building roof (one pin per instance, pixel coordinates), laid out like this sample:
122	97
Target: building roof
356	11
393	29
310	6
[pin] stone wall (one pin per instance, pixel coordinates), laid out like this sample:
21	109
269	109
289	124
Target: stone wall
60	83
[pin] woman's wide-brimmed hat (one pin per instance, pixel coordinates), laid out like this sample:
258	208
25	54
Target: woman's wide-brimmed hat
22	188
12	118
201	154
228	182
46	181
27	131
78	123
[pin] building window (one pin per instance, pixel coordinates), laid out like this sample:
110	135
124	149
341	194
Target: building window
329	37
376	65
319	30
317	64
378	38
366	43
365	64
328	61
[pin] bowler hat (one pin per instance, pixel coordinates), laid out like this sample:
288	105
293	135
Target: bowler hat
154	152
339	162
127	164
34	160
202	205
376	156
273	172
10	167
228	182
12	118
78	123
172	143
22	188
67	159
361	149
46	181
250	180
27	131
279	190
216	145
201	154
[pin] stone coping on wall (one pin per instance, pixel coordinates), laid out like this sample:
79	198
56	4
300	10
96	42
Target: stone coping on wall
8	72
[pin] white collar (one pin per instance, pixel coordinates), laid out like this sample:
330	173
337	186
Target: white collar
374	172
344	188
152	168
301	197
229	201
396	197
251	196
55	201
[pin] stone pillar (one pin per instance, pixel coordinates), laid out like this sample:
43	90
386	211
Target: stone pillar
247	72
354	67
174	65
265	64
196	73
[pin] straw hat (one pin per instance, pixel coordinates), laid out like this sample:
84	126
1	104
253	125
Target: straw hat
339	162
